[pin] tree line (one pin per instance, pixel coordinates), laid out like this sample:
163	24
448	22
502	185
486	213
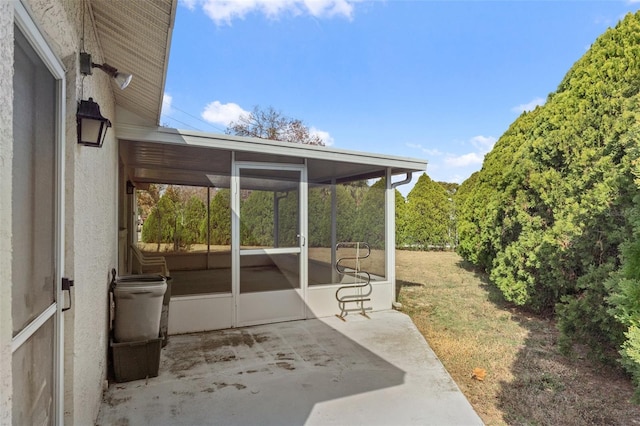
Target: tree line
554	214
178	215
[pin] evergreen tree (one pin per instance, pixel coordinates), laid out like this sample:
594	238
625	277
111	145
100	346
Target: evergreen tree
347	198
161	224
256	219
429	210
288	218
194	212
401	220
370	219
320	216
220	219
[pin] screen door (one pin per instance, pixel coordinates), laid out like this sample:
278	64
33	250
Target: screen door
36	215
272	253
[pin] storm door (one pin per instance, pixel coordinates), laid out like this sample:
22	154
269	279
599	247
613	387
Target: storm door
37	217
270	227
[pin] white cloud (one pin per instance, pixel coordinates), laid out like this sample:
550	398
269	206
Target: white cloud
167	99
224	114
483	143
330	8
426	151
530	106
224	11
454	167
325	136
472	158
451	167
189	4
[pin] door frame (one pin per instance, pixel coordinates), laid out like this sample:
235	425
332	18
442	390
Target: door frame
235	235
31	32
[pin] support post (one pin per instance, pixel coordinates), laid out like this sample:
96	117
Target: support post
334	231
390	234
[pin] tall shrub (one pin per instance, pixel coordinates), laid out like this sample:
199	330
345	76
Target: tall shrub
549	211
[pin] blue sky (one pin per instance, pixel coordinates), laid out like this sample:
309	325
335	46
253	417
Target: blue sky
437	80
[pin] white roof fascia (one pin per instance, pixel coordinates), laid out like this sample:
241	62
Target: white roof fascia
166	62
166	135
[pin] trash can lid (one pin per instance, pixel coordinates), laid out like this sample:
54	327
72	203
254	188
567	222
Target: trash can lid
146	278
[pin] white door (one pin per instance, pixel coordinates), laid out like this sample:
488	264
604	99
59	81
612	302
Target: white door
37	217
270	261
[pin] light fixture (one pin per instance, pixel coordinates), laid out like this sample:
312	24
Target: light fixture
92	126
130	187
86	67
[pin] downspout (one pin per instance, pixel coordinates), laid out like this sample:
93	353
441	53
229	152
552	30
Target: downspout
394	185
392	239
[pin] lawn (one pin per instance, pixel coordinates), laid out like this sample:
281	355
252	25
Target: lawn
528	381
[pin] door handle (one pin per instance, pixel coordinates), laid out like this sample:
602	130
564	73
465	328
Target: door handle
304	240
66	286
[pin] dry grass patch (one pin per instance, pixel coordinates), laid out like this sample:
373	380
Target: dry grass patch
468	325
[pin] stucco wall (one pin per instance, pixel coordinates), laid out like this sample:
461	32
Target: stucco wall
6	155
90	204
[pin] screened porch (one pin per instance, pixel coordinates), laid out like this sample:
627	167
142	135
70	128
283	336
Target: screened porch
249	228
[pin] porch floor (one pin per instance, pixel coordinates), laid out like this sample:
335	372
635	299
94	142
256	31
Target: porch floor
377	371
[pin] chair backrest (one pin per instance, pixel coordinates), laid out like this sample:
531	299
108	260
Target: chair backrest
158	263
136	251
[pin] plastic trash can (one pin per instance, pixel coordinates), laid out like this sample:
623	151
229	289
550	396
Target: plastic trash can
138	303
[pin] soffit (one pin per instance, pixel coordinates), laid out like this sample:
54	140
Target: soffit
163	155
135	37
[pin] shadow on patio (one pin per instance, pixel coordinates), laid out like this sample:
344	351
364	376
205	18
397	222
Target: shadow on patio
321	371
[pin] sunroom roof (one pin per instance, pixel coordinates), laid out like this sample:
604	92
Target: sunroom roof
172	156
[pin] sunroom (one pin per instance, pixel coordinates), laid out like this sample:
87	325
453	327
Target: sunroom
274	221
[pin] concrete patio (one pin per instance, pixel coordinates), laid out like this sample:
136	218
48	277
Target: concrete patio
377	371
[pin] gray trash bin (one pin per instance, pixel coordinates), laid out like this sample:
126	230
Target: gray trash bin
138	302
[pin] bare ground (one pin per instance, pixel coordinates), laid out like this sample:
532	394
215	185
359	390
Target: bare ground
528	381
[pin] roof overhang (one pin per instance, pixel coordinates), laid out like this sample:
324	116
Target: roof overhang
135	37
172	156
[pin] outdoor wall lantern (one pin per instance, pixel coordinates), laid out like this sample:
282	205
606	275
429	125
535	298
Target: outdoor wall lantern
92	126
